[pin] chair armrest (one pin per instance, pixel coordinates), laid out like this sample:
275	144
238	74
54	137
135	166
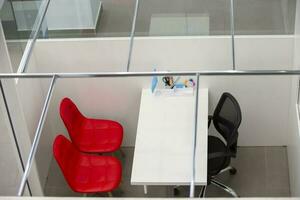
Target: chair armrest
210	118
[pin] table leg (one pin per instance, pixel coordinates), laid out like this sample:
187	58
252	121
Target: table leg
145	189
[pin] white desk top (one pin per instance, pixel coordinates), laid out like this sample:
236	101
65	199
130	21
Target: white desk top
164	141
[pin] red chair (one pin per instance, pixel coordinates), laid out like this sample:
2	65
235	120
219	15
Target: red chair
90	135
86	173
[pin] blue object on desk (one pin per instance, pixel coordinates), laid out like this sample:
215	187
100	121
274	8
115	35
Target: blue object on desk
154	83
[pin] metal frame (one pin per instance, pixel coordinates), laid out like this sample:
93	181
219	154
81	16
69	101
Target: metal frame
155	73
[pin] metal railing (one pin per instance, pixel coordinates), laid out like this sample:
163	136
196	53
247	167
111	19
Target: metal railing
155	73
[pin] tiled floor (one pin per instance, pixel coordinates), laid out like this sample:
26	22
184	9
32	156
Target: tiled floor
262	172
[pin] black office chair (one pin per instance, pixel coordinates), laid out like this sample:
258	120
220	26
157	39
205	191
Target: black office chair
226	119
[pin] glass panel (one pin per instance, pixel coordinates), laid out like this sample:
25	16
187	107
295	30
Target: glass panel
182	17
89	18
17	18
264	17
191	19
73	19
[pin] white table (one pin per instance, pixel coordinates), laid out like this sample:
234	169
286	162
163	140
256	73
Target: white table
164	141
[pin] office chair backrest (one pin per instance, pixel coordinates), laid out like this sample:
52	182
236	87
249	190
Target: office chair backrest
227	119
71	116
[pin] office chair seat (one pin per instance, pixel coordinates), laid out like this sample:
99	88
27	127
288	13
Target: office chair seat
90	135
216	145
86	173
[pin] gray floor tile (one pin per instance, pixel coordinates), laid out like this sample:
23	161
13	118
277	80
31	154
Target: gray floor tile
277	176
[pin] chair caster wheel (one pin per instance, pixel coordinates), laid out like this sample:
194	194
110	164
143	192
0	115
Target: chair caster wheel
232	171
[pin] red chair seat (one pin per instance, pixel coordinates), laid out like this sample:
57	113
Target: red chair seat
90	135
86	173
98	135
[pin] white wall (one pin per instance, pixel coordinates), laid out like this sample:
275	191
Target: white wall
294	121
182	53
264	100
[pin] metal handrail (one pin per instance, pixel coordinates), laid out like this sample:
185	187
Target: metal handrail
154	73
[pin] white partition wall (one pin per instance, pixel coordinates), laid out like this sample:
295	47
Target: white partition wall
265	110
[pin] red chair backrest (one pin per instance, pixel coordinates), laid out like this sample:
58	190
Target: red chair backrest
66	156
71	116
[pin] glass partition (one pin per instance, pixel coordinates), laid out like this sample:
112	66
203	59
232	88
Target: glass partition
89	18
264	17
17	19
182	18
193	21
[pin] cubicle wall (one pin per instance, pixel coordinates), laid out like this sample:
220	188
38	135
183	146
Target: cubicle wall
265	110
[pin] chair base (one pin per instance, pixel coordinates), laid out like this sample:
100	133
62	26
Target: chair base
224	187
213	181
219	185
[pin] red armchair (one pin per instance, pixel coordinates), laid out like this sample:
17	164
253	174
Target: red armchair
86	173
90	135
